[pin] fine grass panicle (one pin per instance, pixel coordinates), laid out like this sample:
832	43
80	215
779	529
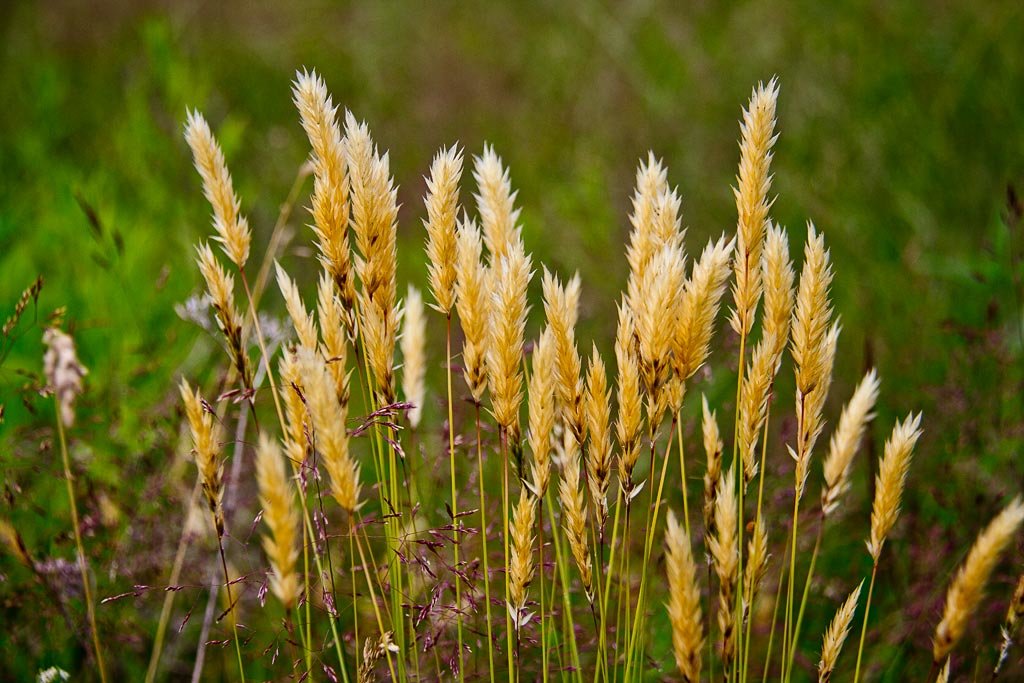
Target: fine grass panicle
330	201
63	371
724	547
698	309
835	636
813	349
374	222
522	565
277	498
574	515
599	451
505	343
560	310
330	436
442	202
543	386
713	473
414	343
969	584
473	301
757	137
846	440
333	323
661	287
302	321
683	601
221	288
206	448
232	228
1011	624
891	480
629	419
495	201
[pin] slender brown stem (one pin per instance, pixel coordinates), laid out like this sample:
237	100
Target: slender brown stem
82	564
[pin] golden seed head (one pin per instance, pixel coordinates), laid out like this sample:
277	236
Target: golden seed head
599	452
756	564
813	313
281	515
724	547
754	396
495	202
206	448
574	515
753	184
891	479
442	202
713	447
684	601
969	584
560	309
846	440
473	301
698	308
661	290
628	421
505	345
302	321
836	635
330	436
522	565
543	385
220	286
779	294
374	222
651	183
330	202
232	228
414	349
333	326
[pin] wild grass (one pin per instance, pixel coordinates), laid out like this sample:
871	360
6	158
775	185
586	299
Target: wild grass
382	535
418	591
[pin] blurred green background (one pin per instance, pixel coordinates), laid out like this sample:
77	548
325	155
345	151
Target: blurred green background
902	134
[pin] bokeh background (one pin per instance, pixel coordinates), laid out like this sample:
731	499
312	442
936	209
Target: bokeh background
901	136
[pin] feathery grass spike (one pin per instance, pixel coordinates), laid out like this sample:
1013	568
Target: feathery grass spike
414	348
277	499
231	227
836	635
969	584
683	601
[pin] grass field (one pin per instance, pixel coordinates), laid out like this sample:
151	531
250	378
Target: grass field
901	135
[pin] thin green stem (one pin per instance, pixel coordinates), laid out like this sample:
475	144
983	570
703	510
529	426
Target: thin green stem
864	625
504	525
561	561
483	538
682	472
757	523
652	525
803	599
451	460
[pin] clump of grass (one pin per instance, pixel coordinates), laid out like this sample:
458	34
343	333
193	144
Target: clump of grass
411	574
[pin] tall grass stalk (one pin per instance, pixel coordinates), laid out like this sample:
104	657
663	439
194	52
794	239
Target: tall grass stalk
83	566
